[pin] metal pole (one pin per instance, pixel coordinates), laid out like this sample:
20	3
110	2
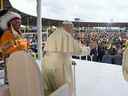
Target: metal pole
74	81
39	35
74	78
39	30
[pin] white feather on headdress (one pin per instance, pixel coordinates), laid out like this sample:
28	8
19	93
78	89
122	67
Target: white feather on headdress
6	18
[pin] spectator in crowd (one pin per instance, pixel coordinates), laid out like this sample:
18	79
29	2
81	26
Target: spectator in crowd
101	52
117	59
107	58
94	52
85	51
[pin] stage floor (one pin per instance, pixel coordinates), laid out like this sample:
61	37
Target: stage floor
99	79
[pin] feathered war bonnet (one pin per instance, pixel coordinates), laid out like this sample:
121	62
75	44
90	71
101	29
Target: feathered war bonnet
6	16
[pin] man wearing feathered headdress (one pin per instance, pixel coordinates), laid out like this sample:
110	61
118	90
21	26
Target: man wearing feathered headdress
22	72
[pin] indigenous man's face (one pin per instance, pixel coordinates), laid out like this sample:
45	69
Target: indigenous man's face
16	23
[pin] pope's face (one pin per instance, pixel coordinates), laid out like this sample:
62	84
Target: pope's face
16	23
69	27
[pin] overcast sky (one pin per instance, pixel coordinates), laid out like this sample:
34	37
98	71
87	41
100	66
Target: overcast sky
86	10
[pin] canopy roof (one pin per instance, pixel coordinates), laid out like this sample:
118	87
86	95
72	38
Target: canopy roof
86	10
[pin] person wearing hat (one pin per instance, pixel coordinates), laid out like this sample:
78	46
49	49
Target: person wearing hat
10	24
57	69
22	72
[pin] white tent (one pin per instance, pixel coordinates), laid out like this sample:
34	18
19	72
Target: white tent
86	10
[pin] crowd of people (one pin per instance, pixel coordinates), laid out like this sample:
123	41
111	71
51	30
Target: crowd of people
106	47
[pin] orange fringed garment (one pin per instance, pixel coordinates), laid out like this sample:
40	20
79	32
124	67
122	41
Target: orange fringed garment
9	44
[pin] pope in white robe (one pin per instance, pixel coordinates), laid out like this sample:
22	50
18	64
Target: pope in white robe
57	67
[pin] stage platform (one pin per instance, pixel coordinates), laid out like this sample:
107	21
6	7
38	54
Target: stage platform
99	79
